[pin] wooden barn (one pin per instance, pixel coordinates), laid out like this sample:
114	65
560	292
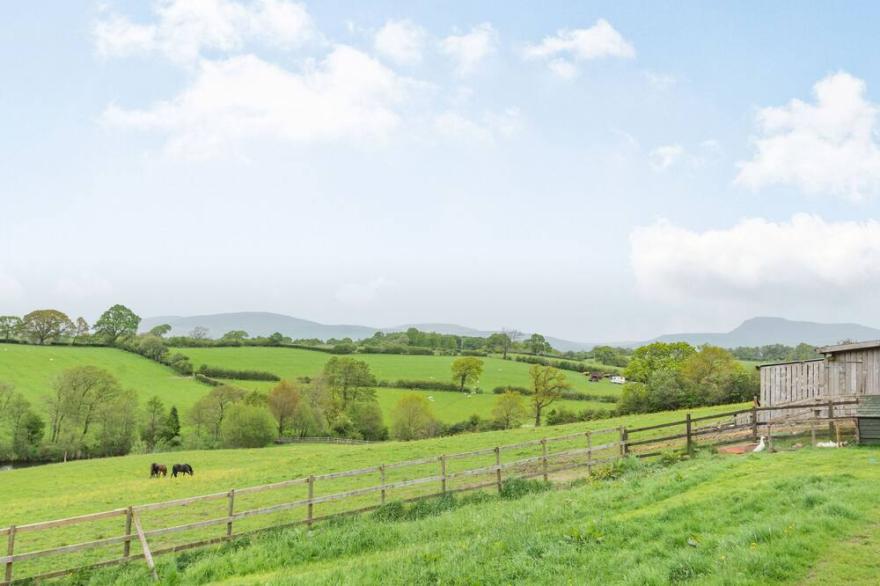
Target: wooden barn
846	371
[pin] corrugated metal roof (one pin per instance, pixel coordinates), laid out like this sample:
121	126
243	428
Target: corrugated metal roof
869	406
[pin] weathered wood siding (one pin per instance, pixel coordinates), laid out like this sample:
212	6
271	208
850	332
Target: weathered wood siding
843	374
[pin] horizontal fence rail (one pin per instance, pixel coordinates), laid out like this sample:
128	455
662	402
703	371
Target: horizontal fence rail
437	473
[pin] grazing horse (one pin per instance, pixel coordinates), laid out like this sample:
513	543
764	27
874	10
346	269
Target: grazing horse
157	470
181	469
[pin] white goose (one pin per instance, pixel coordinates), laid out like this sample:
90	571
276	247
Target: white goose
761	446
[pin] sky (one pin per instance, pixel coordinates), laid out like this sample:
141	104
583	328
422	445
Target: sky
598	171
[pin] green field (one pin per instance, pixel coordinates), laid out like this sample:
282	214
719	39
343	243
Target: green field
791	518
801	516
31	370
291	363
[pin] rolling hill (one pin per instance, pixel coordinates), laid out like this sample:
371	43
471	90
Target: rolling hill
760	331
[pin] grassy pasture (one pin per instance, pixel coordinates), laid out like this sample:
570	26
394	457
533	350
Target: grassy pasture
785	518
31	370
294	362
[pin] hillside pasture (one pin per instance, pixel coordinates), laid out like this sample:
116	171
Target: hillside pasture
31	370
764	519
292	363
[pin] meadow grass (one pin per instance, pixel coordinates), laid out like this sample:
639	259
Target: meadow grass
31	370
291	363
783	518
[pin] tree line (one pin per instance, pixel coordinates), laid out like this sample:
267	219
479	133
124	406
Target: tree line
664	376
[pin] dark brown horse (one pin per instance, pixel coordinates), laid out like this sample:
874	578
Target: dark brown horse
157	470
181	469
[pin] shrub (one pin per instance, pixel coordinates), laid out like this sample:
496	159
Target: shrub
247	426
216	372
514	488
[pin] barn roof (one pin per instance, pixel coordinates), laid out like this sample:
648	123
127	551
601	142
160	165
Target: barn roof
848	347
760	366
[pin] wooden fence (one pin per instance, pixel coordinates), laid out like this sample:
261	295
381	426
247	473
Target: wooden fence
434	475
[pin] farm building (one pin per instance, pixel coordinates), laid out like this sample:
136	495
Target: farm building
846	371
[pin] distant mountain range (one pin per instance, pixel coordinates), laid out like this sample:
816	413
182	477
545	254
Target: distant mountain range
757	331
760	331
265	324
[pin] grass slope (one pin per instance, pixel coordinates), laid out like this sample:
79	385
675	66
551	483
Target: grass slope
294	362
757	519
31	370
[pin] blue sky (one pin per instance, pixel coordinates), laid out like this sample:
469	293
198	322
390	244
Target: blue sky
595	171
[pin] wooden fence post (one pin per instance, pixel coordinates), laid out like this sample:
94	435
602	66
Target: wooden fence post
813	433
126	546
443	473
498	467
148	556
590	453
544	457
754	422
623	448
10	549
230	510
311	504
769	438
690	440
382	475
831	420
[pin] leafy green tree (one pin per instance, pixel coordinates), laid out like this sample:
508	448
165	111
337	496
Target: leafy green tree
412	418
547	386
171	430
235	336
117	322
466	369
499	342
509	410
211	409
537	345
366	417
80	330
283	402
154	421
349	380
46	325
247	426
80	395
160	330
153	347
657	356
10	327
117	424
276	339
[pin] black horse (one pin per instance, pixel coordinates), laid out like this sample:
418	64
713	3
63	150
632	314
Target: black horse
157	470
181	469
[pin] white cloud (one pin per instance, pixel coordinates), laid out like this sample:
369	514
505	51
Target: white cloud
492	126
401	41
346	96
362	293
185	29
469	49
827	147
660	81
563	68
599	41
665	156
804	256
